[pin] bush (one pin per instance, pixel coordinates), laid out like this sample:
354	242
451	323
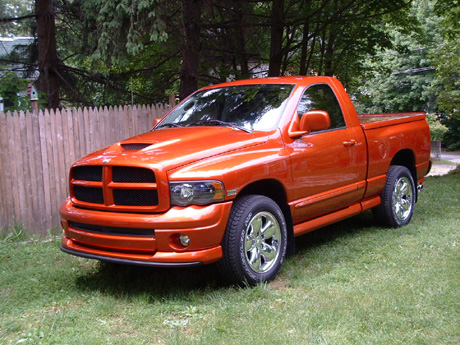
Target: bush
451	139
437	130
13	91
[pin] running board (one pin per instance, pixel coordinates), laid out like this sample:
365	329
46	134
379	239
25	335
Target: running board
336	216
327	219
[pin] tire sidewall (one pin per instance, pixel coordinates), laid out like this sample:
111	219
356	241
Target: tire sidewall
261	204
399	172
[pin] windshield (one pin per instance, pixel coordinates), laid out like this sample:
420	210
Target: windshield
250	107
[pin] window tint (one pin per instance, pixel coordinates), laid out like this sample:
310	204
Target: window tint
321	97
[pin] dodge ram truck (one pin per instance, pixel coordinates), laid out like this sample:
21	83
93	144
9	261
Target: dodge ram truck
236	170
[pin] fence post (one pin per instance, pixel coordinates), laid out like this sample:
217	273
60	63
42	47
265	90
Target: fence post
33	98
436	149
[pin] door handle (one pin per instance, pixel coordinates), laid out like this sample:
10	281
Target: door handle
349	143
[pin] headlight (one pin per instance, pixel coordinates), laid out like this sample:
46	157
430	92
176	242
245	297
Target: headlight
196	192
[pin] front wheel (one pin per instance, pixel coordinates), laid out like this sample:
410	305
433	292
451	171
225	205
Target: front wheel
398	198
254	244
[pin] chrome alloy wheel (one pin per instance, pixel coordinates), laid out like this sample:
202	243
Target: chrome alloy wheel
402	198
262	242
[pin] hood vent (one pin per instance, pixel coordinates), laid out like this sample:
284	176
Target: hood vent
135	146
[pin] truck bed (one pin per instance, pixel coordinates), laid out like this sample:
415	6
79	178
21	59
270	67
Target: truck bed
370	121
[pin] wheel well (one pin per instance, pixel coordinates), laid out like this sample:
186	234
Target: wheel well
406	158
275	191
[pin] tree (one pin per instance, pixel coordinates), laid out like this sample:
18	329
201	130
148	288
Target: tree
10	88
446	58
48	62
402	77
191	12
119	51
15	17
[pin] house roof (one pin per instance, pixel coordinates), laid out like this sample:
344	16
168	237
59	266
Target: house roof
7	44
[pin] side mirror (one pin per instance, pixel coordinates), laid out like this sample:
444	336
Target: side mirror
157	121
315	120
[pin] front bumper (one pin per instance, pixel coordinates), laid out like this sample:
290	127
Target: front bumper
204	225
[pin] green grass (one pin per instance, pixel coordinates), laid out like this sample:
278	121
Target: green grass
443	161
350	283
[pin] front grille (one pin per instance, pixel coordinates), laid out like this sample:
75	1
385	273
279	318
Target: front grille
88	173
134	197
112	230
86	194
133	175
115	186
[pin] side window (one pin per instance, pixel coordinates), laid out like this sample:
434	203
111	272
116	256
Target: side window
321	97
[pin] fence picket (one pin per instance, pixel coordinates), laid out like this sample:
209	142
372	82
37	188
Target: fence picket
17	192
86	130
42	120
30	175
38	171
4	195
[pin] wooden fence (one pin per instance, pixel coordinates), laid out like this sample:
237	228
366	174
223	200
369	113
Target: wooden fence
37	150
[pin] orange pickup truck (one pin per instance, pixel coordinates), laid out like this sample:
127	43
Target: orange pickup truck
235	171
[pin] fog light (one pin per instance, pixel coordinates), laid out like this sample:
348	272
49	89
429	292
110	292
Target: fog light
184	240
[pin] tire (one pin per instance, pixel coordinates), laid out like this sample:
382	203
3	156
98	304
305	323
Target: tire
254	244
398	198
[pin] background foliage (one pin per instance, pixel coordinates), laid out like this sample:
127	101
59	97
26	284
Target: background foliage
392	55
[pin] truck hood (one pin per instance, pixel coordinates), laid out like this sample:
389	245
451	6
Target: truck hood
174	147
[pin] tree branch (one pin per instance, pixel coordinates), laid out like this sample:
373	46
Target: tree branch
94	78
14	19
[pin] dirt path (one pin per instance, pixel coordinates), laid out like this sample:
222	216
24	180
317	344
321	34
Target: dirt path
443	169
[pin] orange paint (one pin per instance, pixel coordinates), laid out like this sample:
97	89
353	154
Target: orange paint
120	207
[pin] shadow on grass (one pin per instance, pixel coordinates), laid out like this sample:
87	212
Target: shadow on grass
128	280
350	227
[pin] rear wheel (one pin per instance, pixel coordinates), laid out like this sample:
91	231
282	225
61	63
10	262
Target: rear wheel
254	244
398	198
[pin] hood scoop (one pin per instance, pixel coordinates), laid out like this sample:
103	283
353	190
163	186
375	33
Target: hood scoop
135	146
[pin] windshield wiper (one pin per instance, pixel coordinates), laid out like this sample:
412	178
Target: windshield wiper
169	125
219	123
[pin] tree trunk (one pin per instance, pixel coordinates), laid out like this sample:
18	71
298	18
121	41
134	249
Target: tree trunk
304	47
276	40
240	39
191	13
322	48
329	53
47	54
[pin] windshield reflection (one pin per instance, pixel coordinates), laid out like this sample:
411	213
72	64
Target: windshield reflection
252	107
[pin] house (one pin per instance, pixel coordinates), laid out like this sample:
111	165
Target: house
13	50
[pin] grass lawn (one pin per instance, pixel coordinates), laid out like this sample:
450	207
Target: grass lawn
350	283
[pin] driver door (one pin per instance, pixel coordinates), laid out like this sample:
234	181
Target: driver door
329	166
